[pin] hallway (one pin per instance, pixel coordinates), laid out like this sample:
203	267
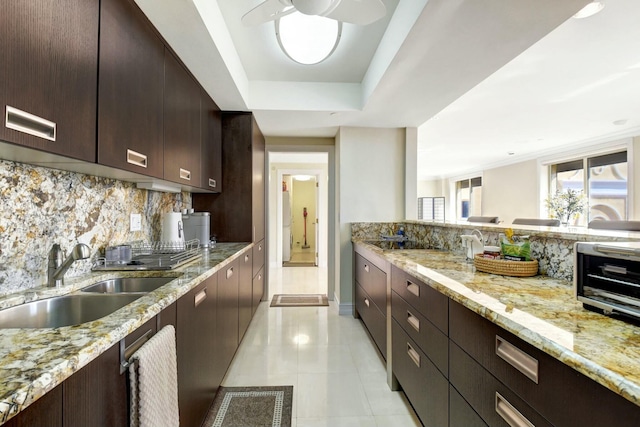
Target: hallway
338	376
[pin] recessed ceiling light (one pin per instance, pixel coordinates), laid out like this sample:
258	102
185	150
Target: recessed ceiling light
620	122
511	153
589	10
308	39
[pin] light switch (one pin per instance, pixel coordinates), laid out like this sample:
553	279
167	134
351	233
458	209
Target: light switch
135	222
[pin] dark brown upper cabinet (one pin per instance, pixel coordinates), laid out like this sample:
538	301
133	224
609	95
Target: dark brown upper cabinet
48	75
181	124
211	145
130	101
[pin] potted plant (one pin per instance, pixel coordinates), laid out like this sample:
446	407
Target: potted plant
566	205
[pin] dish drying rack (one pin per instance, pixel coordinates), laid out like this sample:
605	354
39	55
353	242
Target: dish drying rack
155	255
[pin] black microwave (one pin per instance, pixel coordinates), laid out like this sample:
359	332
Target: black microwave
606	277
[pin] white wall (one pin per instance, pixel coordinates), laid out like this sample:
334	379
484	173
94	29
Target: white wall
511	191
371	187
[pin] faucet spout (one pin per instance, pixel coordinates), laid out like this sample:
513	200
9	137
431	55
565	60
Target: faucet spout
57	267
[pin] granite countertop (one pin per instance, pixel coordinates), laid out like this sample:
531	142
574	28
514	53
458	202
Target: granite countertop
540	310
34	361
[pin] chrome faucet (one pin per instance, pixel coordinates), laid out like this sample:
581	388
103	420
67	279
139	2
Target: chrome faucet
57	267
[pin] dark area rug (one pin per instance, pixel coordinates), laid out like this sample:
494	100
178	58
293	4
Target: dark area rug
251	407
299	300
298	264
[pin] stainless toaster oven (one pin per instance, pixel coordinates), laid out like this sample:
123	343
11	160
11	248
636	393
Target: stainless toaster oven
606	277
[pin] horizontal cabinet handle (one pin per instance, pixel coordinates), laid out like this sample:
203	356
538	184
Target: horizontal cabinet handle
212	183
136	158
229	272
413	288
511	415
413	321
366	302
517	358
28	123
200	296
246	258
259	277
185	174
413	355
366	268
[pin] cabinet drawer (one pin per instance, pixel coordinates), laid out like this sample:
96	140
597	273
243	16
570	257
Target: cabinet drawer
373	319
514	362
430	303
491	399
430	339
461	414
258	256
373	281
426	388
257	290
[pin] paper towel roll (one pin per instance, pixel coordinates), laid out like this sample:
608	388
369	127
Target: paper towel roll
172	228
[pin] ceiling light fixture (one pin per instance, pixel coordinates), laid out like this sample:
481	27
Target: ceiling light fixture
302	177
589	10
307	39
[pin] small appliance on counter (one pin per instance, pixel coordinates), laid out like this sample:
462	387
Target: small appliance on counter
197	226
606	277
173	229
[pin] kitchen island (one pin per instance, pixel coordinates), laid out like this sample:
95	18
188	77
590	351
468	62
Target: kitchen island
541	311
35	361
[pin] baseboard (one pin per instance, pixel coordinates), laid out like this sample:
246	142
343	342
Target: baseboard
345	309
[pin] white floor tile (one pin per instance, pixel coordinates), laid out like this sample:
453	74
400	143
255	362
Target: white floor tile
331	395
339	378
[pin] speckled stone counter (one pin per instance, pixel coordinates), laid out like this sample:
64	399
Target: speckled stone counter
540	310
34	361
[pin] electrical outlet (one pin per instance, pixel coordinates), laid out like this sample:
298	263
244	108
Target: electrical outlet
135	222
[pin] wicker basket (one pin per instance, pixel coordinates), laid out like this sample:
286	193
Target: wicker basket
505	267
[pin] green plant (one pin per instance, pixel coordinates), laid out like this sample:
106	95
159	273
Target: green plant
566	204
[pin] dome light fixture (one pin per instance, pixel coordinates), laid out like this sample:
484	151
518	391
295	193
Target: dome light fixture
589	10
307	39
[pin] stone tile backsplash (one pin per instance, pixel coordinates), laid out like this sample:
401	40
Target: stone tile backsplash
42	206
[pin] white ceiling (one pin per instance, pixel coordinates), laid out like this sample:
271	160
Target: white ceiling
501	75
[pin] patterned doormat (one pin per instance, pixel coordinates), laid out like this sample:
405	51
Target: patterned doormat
299	300
298	264
251	407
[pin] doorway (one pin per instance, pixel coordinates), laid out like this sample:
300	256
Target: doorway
300	217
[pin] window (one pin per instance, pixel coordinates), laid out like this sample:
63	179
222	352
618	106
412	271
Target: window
431	208
603	179
469	197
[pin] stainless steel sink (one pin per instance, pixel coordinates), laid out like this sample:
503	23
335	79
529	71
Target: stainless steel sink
128	285
64	310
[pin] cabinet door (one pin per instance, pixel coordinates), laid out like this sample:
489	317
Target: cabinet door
49	71
96	395
258	290
245	293
181	124
211	123
130	91
196	318
44	412
227	315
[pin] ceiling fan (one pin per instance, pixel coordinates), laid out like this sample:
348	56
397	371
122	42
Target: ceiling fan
360	12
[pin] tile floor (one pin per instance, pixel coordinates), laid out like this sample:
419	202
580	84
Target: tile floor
338	376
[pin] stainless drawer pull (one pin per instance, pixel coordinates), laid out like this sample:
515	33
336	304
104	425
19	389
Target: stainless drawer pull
212	183
185	174
259	277
200	296
413	288
28	123
260	247
366	268
517	358
136	158
246	258
413	321
413	355
229	272
366	302
511	415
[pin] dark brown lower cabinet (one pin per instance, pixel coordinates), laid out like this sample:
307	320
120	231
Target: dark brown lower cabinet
227	316
373	318
44	412
245	293
424	385
258	290
196	328
460	413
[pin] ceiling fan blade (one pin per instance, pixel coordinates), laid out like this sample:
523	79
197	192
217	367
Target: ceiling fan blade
266	11
360	12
